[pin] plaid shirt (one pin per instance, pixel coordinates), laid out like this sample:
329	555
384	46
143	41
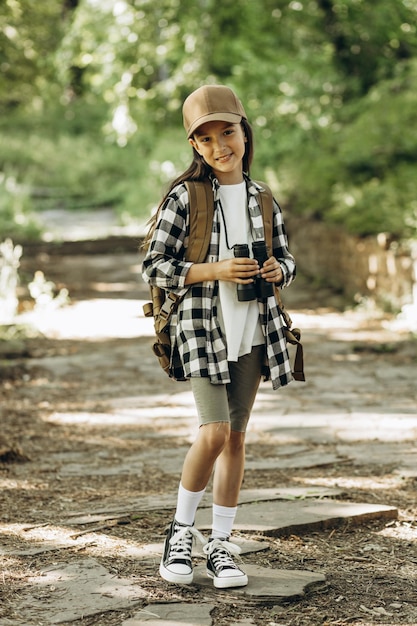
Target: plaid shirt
198	347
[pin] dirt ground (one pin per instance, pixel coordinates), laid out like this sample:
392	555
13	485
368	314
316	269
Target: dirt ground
371	569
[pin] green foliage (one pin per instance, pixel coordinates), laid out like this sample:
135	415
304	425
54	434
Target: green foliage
93	98
75	170
364	178
387	205
16	216
369	37
29	33
378	135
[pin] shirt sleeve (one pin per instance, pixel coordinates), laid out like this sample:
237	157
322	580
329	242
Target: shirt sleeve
280	246
164	265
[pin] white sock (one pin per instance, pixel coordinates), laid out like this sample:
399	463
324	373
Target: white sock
187	504
223	520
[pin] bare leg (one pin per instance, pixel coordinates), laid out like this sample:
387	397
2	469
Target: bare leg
229	471
199	461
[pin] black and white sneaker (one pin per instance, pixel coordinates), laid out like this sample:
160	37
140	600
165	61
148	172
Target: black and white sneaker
220	565
176	565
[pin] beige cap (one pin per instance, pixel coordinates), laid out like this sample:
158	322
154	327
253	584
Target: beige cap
211	103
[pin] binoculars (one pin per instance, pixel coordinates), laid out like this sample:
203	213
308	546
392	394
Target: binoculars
259	289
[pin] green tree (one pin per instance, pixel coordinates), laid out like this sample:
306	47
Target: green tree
328	84
369	37
30	32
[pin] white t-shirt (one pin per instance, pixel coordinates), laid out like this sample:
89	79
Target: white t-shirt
239	321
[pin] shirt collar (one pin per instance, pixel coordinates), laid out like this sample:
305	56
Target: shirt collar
252	186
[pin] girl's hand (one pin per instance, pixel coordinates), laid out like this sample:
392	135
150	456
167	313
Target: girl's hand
272	271
237	270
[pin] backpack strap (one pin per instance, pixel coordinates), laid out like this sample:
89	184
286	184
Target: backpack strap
201	202
200	194
293	335
267	210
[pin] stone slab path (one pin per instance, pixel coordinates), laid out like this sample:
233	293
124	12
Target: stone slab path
279	519
174	613
66	593
340	415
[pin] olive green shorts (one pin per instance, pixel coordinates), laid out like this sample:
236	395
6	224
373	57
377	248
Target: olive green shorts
231	402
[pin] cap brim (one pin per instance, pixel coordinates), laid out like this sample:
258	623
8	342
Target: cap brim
234	118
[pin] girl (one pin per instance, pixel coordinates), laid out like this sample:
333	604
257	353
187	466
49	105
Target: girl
218	342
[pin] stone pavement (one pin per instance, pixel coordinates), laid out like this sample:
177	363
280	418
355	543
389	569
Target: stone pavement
345	412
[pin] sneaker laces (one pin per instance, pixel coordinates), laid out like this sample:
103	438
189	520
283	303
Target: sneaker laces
182	540
223	550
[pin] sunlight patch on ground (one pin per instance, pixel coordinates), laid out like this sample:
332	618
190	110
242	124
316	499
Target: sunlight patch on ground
108	318
183	399
61	225
403	531
21	485
92	320
105	318
326	319
347	426
45	538
179	418
348	483
355	325
137	417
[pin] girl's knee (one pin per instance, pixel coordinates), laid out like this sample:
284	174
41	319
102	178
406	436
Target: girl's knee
216	436
236	441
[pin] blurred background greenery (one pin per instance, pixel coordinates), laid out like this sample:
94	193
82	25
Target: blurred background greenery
91	94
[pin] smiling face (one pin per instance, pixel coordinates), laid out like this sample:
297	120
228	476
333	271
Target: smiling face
222	146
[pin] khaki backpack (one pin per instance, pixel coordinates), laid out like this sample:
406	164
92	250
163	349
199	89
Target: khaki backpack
163	304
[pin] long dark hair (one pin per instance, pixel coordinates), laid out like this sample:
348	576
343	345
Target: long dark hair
199	170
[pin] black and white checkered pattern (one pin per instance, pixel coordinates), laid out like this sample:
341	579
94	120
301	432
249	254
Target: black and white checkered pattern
198	348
